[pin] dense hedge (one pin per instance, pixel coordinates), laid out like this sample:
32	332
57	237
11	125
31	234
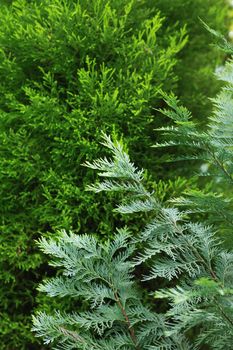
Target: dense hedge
67	70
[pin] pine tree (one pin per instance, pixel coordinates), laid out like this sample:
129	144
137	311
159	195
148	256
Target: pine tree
173	247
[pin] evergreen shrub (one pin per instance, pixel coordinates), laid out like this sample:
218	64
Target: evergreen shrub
116	280
67	70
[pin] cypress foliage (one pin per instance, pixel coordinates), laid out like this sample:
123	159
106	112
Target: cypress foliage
67	70
187	254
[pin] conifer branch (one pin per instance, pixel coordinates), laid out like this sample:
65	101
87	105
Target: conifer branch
130	327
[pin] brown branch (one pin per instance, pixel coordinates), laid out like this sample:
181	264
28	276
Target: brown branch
131	329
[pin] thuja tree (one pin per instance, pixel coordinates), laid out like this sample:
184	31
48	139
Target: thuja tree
67	70
113	278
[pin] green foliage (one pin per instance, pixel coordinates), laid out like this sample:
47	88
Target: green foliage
186	253
100	274
67	70
170	247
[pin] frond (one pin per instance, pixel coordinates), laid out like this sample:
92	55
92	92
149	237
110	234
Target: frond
137	206
120	167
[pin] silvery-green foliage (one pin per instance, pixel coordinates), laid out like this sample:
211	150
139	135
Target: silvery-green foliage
100	274
177	249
